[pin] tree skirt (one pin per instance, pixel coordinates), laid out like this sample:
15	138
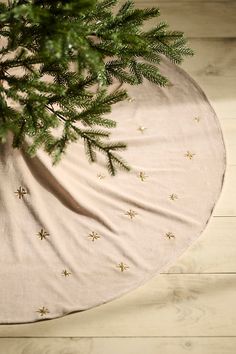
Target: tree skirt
74	237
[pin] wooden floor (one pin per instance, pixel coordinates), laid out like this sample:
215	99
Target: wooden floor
192	308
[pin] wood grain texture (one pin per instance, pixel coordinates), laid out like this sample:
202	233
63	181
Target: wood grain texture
173	313
118	345
226	205
228	127
167	305
213	57
214	68
196	18
213	252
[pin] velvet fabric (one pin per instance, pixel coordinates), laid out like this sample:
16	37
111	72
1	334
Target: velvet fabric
74	237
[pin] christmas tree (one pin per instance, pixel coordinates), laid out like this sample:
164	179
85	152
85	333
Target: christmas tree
62	50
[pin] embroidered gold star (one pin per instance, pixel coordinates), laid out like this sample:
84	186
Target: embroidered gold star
169	235
20	192
94	236
141	129
131	213
65	273
189	155
100	176
142	176
43	311
42	234
131	99
197	119
173	196
122	266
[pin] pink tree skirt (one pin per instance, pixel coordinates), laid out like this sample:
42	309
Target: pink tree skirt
74	237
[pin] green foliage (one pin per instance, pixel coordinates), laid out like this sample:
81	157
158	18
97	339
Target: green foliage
64	49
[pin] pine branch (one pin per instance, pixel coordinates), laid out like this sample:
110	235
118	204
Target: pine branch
69	53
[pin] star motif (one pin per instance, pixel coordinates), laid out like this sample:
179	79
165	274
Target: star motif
122	266
189	155
43	311
42	234
100	176
170	235
65	273
197	119
131	213
173	196
131	99
142	176
20	192
94	236
141	129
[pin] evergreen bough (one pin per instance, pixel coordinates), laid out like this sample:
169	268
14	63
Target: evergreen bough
77	45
